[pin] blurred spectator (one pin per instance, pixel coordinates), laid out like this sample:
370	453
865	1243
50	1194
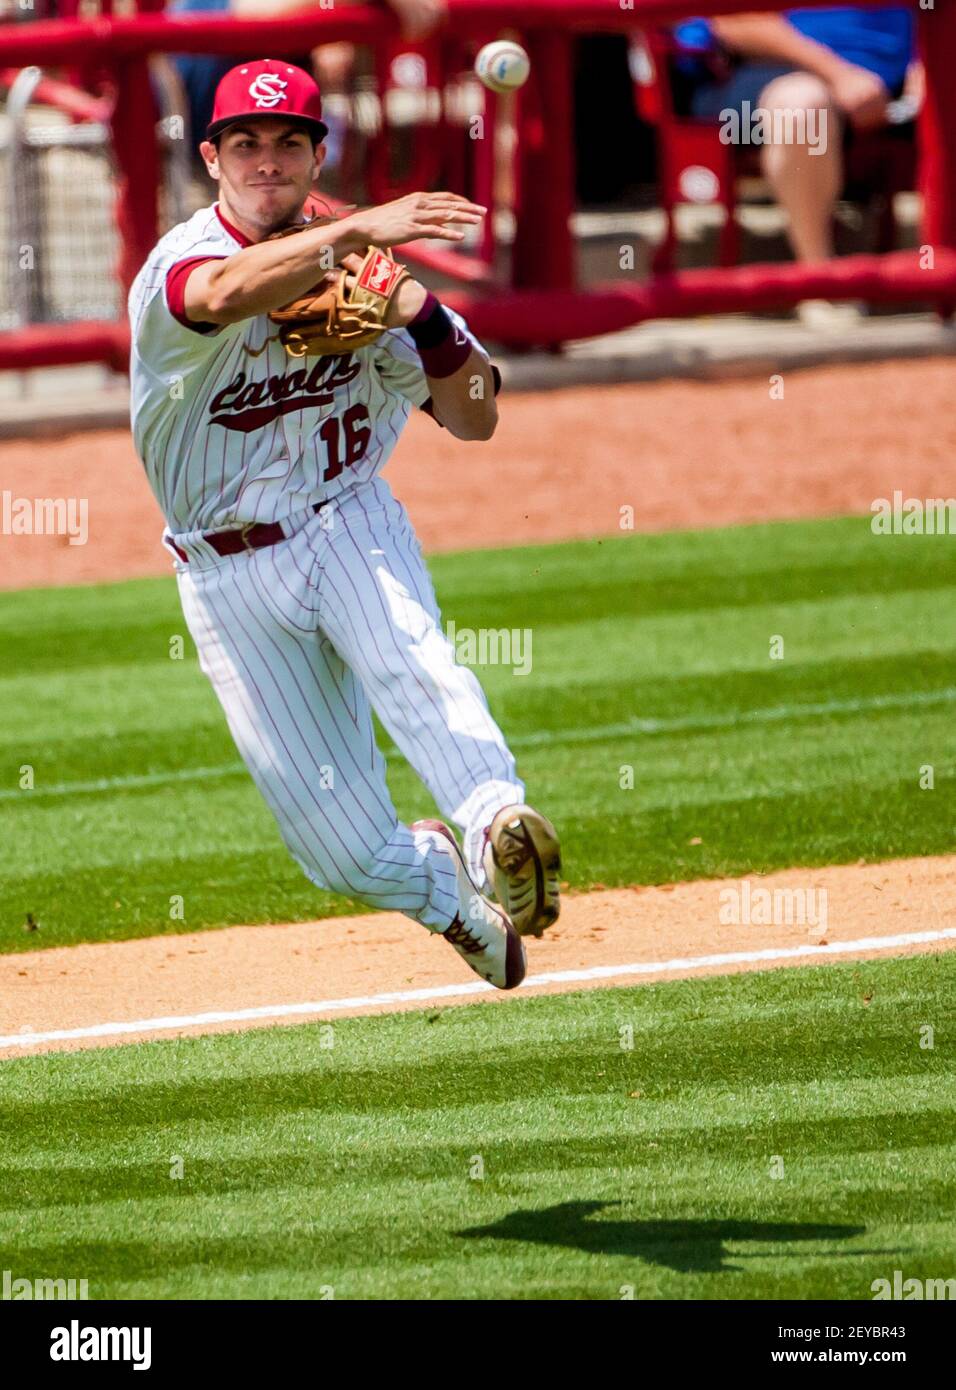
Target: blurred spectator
24	11
847	62
332	63
200	73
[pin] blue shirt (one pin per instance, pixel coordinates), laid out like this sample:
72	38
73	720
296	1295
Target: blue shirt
882	40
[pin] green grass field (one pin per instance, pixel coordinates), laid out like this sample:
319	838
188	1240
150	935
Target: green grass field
778	1135
781	1135
648	651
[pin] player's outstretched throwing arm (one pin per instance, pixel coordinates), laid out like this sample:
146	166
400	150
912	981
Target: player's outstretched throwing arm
270	274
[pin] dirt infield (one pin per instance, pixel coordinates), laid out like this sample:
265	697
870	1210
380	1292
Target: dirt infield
344	966
563	463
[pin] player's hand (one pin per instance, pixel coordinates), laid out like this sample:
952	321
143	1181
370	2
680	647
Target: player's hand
417	215
861	96
404	304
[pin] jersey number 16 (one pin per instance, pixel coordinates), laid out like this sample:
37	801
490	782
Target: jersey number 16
352	432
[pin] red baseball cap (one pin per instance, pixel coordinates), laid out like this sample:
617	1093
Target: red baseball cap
267	88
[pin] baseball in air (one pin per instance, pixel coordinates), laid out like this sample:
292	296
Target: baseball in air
502	66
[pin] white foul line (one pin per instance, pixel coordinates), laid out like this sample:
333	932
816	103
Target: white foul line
423	996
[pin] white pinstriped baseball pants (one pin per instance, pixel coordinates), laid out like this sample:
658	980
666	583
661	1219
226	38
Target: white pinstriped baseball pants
298	639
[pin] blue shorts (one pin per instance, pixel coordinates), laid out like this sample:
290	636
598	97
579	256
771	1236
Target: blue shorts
708	100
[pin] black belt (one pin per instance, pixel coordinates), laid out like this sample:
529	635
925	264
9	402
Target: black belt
253	536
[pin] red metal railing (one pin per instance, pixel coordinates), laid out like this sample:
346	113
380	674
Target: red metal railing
541	304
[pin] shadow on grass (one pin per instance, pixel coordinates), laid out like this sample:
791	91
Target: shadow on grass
685	1246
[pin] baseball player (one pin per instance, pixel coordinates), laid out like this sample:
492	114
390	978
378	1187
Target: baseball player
300	576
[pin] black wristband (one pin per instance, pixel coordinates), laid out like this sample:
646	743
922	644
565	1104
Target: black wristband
431	325
443	348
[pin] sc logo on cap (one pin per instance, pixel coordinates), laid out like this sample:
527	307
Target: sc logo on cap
268	89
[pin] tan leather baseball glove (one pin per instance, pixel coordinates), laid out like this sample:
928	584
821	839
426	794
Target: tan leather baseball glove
346	311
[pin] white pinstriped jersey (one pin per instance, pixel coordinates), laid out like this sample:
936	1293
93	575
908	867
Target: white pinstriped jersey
231	429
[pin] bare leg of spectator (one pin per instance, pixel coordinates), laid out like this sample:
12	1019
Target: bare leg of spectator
805	182
807	178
